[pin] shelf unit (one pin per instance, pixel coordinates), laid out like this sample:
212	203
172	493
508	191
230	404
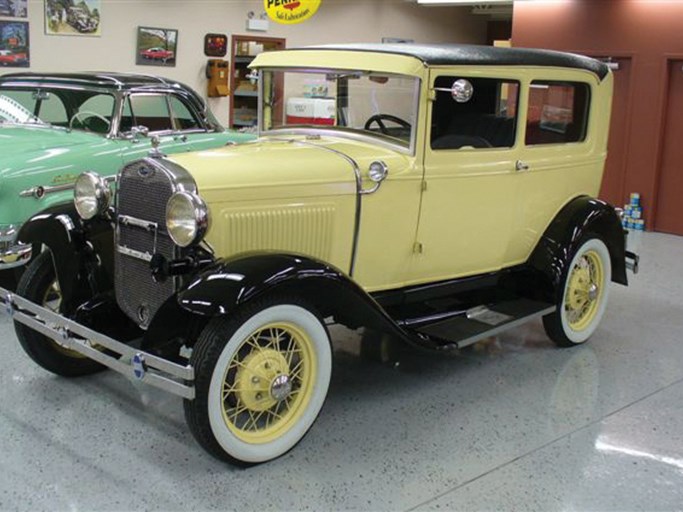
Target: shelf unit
244	97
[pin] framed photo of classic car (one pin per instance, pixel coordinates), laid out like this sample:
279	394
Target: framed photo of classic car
14	8
14	44
156	46
67	18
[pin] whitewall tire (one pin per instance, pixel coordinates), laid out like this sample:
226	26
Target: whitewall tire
261	378
584	293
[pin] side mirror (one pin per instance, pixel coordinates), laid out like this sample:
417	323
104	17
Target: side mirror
462	90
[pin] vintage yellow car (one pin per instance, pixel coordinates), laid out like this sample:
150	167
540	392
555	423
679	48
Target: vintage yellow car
439	194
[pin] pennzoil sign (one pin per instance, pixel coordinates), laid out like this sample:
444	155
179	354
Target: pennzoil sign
291	11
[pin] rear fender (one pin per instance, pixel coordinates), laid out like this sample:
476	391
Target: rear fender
580	217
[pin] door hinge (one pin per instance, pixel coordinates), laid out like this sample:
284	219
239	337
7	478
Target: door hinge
418	248
424	185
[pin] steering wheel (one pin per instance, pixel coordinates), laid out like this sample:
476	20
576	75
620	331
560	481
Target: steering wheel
87	113
379	118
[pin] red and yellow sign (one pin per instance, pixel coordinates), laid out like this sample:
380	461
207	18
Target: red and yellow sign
290	11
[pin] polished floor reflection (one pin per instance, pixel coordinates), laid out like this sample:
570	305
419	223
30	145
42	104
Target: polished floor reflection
512	423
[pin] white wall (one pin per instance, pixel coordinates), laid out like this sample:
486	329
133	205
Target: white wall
337	21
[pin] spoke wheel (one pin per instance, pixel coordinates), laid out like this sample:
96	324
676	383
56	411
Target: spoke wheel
262	375
584	290
268	383
584	295
39	284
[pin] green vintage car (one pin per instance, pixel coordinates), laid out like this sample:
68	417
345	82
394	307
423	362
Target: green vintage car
55	126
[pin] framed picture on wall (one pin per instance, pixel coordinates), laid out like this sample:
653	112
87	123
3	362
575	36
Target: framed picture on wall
14	44
156	46
70	18
14	8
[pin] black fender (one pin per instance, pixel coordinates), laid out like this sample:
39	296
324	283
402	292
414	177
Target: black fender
227	284
82	253
580	217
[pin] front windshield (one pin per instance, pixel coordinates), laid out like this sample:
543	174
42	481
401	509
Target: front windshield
14	112
74	109
376	104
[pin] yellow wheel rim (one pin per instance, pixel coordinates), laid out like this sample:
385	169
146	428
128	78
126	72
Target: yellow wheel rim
52	300
584	290
269	383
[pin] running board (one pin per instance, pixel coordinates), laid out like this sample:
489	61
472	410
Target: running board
481	322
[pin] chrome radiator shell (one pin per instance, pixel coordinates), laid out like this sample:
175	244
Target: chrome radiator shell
143	189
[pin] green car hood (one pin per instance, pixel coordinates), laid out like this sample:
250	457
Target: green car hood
18	140
43	156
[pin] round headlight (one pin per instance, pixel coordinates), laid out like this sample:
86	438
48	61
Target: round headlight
187	218
92	195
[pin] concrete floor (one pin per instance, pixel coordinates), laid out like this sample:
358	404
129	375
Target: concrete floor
510	424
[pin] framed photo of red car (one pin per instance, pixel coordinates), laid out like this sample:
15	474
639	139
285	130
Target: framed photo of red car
156	46
14	44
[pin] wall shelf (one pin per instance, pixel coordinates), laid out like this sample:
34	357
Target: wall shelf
243	98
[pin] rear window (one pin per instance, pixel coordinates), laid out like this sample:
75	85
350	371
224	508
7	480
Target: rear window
557	113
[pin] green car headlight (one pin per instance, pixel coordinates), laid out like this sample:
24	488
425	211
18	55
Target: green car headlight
92	195
187	218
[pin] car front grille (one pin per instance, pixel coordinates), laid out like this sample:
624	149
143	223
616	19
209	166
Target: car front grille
144	188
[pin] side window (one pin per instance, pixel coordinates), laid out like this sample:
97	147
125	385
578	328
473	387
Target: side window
483	114
558	112
150	110
183	118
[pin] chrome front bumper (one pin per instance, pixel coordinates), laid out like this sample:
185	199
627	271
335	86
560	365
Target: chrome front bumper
122	358
15	256
12	254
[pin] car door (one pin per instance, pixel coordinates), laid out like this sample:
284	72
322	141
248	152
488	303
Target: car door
562	152
470	178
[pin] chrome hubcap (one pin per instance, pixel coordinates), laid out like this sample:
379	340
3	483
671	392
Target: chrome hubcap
280	388
593	291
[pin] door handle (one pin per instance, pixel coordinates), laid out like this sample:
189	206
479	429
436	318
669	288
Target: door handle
521	166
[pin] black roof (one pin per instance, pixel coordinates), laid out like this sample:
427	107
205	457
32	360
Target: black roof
457	54
94	79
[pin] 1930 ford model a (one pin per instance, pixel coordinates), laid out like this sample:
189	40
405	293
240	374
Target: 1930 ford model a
438	193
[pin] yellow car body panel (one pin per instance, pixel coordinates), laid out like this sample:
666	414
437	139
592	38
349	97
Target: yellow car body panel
340	59
439	214
479	213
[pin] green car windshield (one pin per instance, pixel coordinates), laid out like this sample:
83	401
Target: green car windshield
360	102
14	112
72	109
